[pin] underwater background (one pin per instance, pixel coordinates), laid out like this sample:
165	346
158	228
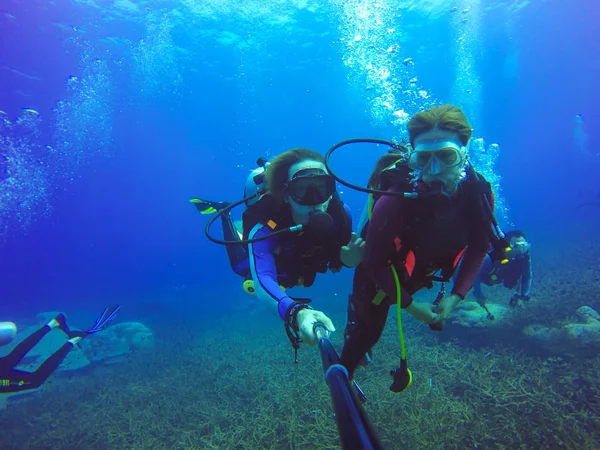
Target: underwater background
115	113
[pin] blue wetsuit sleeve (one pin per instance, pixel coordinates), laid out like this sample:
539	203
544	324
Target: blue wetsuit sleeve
486	267
348	213
264	272
364	218
477	292
526	278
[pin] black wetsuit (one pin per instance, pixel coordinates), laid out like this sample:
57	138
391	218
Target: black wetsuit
15	380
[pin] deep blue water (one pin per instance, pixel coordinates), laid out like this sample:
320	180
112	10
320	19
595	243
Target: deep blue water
183	113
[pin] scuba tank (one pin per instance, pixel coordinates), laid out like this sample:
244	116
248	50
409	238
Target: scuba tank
255	183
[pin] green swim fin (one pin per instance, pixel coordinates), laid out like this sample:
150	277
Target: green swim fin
207	206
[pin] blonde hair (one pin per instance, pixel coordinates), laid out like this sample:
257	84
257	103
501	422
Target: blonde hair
384	162
443	117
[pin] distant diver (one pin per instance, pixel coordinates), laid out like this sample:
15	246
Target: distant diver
581	137
514	274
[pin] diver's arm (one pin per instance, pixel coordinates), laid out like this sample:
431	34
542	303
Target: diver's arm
477	248
470	268
264	272
485	268
526	278
348	214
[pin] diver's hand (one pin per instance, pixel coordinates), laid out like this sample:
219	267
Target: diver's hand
352	254
306	319
445	307
422	312
8	331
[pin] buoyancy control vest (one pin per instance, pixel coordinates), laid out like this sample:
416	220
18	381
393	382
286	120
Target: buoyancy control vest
300	256
437	229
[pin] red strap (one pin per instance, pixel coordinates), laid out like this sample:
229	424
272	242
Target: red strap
397	243
410	262
458	257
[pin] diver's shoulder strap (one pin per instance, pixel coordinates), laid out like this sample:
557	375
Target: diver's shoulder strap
266	211
478	181
481	190
484	192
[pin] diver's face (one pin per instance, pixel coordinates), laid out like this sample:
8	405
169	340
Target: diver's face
519	247
440	157
316	173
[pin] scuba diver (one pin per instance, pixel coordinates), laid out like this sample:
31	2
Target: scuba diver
435	210
15	380
295	226
516	274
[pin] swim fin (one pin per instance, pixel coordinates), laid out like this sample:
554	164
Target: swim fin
107	316
207	206
104	319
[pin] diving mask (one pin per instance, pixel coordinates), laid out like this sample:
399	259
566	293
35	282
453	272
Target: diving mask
519	248
436	156
310	187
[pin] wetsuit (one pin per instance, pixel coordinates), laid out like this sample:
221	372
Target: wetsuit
237	254
294	260
15	380
419	237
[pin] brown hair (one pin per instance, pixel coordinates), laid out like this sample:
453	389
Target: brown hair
443	117
278	170
385	161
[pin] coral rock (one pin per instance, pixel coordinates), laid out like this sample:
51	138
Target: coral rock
580	334
470	314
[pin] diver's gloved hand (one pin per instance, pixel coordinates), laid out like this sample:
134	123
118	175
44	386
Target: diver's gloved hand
352	254
8	331
305	321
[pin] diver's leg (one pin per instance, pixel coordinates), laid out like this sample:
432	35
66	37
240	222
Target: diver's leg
351	326
51	363
25	346
368	321
237	254
14	380
46	369
364	336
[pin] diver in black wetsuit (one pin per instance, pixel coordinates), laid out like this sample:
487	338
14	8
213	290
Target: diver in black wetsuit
15	380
